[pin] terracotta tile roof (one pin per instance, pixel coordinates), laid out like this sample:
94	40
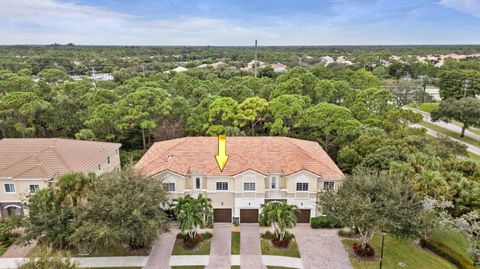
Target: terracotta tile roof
47	157
262	154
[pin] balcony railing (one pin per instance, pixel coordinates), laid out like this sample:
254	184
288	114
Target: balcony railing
275	194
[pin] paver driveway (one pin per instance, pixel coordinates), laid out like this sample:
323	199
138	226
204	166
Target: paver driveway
250	253
320	248
220	251
162	250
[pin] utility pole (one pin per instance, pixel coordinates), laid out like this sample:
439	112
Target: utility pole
255	64
465	88
143	70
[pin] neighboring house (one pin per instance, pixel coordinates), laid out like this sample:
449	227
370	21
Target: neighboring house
102	76
253	63
326	60
29	164
259	170
279	68
179	69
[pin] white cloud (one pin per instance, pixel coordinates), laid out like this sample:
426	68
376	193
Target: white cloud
48	21
467	6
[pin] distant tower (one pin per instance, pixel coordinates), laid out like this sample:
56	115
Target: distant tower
255	63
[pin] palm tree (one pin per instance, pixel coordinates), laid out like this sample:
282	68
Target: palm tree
192	213
282	215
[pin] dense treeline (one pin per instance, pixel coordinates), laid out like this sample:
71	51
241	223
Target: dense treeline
345	108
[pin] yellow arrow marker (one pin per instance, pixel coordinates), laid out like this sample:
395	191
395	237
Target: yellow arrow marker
222	156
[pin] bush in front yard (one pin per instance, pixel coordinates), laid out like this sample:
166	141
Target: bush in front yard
368	251
276	241
323	222
446	252
189	242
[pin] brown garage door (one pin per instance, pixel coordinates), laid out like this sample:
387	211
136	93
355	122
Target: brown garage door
248	215
222	215
303	216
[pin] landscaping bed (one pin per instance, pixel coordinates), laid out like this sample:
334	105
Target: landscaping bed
397	252
268	248
183	246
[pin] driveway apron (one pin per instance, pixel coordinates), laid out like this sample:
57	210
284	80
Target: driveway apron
220	251
162	250
321	248
250	253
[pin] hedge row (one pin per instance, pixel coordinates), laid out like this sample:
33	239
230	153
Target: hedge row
449	254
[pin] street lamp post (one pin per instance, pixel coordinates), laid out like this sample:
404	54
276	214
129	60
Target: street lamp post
381	255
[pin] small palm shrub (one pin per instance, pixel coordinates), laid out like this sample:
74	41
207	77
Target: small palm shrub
366	251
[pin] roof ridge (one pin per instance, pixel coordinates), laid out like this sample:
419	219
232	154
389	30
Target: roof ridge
54	149
154	160
308	153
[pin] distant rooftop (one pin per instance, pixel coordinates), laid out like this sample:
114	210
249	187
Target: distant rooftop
48	157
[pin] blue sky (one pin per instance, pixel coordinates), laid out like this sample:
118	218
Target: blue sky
239	22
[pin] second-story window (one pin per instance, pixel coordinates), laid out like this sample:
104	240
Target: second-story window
10	188
108	159
197	183
99	167
249	186
328	185
169	186
222	186
302	186
34	188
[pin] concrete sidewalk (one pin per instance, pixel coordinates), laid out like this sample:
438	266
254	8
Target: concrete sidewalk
19	250
124	261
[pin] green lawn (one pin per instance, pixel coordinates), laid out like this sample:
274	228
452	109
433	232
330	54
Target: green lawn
444	131
427	107
203	248
2	250
396	251
235	244
455	240
269	249
119	251
235	267
474	156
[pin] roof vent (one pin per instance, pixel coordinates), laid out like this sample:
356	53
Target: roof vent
169	157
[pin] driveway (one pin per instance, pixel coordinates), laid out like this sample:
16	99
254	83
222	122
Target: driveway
220	251
250	253
162	250
320	248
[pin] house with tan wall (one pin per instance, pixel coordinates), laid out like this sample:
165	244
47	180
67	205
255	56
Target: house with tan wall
27	165
259	170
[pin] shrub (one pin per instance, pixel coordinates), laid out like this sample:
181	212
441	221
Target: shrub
206	235
280	243
449	254
323	222
180	236
189	242
47	259
267	235
368	251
